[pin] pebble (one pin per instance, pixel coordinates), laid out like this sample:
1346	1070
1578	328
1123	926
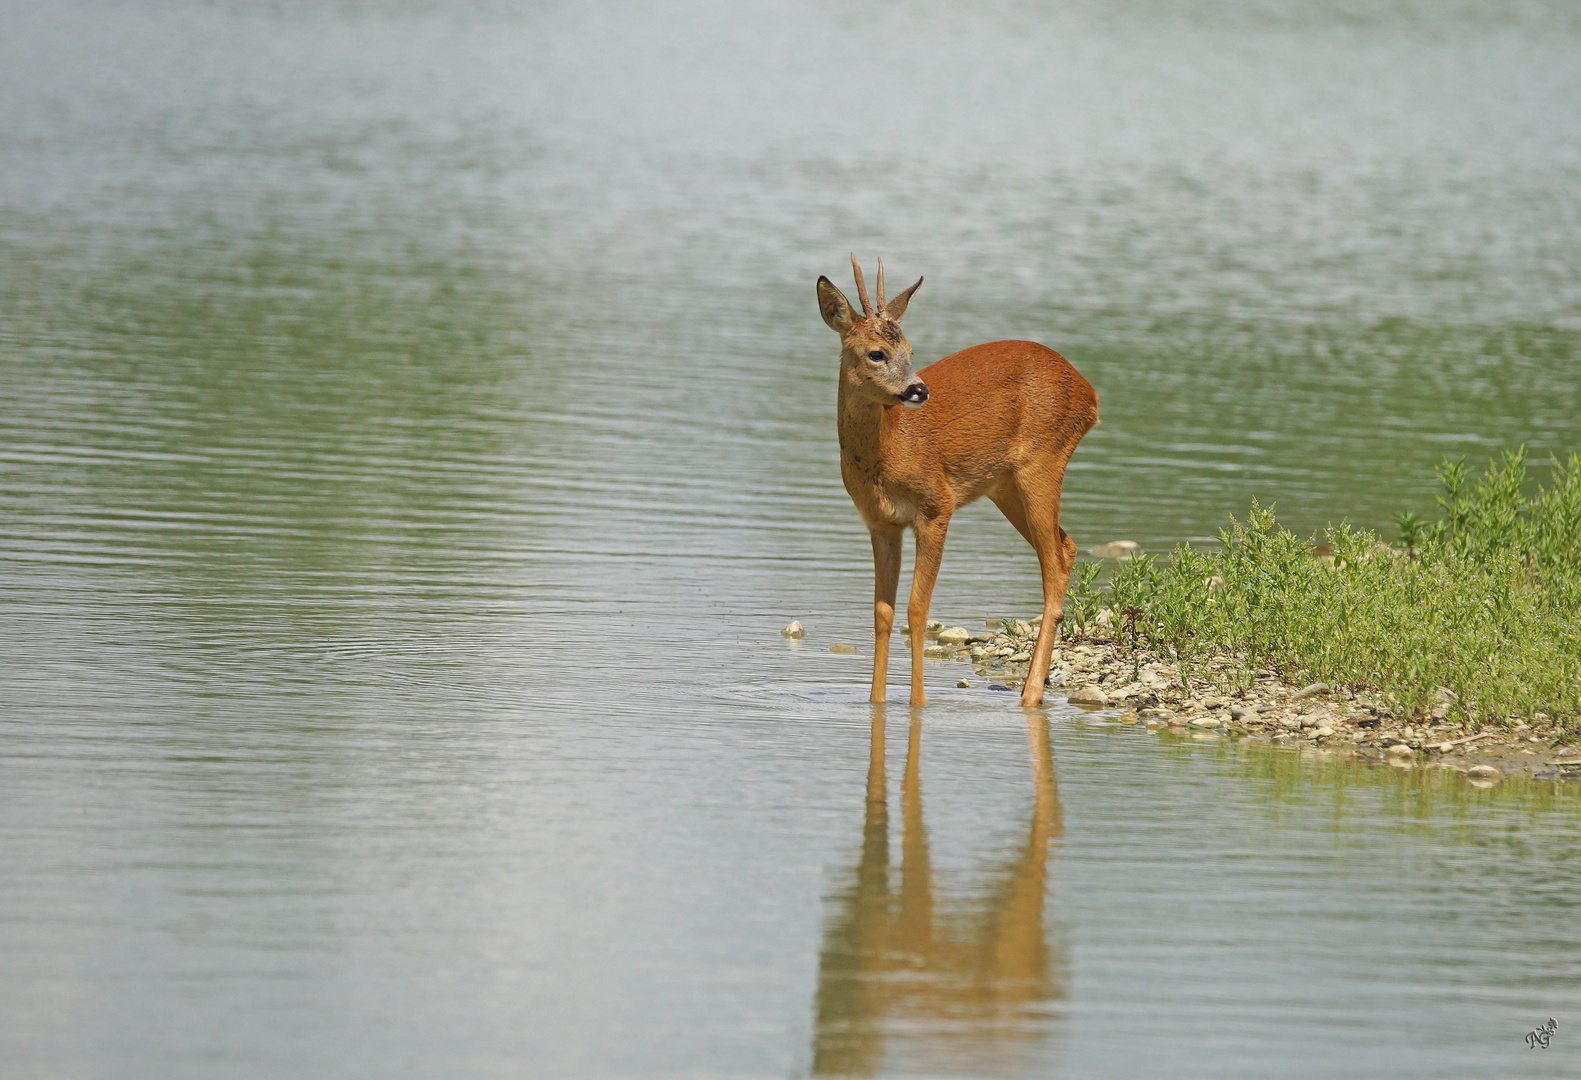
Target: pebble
794	630
1290	722
964	684
1204	721
1019	658
843	648
1242	713
1088	695
1399	753
1483	775
955	635
1312	690
1117	549
1324	732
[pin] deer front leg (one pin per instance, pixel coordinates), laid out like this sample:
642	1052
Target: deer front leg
886	578
930	549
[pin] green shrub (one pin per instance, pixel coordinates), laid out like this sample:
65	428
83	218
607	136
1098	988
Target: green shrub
1485	602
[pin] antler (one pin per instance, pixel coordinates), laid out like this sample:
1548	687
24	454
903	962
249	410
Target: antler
882	314
861	287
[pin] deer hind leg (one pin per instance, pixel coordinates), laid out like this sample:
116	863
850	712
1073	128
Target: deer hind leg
930	549
886	578
1056	555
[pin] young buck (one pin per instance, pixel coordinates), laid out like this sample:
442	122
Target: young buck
999	420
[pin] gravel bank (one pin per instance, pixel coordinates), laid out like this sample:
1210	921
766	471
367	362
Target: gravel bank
1224	697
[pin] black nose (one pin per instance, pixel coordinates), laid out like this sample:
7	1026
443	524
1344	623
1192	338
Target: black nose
916	392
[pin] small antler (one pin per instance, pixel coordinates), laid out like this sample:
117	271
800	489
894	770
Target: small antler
861	287
882	314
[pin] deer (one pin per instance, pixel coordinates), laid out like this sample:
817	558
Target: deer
999	419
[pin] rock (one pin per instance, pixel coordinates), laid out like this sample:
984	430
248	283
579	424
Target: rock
1204	721
1400	752
955	635
999	686
1019	658
1242	714
1483	775
1315	719
939	652
1312	690
1088	695
964	684
794	630
1117	549
1324	732
1023	628
931	628
1104	618
1291	723
842	648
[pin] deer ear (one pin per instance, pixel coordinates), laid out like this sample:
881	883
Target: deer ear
834	307
897	307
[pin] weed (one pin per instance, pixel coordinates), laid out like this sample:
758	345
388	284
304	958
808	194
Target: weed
1484	602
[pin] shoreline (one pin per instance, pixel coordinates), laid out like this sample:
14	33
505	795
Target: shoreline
1239	701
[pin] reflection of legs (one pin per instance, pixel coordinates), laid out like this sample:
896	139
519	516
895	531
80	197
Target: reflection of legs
1020	951
852	969
886	578
1047	824
914	927
930	549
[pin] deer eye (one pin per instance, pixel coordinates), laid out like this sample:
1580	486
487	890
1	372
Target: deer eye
876	356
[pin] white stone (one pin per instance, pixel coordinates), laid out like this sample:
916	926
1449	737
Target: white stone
1117	549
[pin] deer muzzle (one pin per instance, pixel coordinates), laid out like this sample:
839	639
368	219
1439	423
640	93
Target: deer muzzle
914	395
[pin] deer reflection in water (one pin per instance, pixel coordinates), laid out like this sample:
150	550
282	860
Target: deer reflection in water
966	985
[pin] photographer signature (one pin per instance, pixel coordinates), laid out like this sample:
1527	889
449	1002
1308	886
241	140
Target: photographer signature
1542	1036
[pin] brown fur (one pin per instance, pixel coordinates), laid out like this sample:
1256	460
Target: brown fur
1000	420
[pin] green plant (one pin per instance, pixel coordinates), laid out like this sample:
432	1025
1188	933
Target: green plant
1489	607
1411	531
1082	600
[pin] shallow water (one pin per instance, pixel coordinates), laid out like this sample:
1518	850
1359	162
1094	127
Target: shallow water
415	425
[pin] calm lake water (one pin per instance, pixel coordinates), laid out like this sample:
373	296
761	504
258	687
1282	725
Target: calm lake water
416	425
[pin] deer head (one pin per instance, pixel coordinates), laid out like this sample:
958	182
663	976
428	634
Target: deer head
875	357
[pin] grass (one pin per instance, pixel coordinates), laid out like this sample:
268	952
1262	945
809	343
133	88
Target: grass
1484	602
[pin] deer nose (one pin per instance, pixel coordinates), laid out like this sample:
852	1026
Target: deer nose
914	395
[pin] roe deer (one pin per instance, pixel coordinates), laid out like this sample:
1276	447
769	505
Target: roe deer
999	420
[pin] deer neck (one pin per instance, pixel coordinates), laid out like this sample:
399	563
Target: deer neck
861	425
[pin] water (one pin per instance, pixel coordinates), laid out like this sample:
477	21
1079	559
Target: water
415	425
